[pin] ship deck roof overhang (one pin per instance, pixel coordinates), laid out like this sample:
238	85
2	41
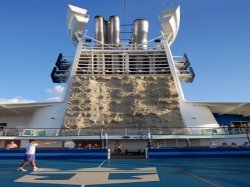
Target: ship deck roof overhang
12	109
236	108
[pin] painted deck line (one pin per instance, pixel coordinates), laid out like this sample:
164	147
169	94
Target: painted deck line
101	164
181	170
202	179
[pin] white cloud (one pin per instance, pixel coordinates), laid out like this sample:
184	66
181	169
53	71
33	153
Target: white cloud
56	93
15	100
54	99
57	90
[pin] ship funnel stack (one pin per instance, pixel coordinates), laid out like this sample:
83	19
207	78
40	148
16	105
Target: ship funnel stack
115	30
107	31
99	30
140	33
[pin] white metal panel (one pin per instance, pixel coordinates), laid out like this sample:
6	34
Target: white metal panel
170	22
76	20
197	116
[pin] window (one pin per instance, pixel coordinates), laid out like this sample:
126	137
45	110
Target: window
2	126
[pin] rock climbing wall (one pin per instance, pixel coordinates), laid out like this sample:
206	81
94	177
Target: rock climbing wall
123	101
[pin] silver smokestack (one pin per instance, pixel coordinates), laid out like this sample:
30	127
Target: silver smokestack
115	30
140	33
107	34
99	30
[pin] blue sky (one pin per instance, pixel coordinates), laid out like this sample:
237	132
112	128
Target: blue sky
214	33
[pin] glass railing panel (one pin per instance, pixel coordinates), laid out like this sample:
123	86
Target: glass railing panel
192	131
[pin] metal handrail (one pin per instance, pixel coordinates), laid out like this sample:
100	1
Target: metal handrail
98	131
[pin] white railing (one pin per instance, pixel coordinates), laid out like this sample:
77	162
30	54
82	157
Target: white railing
122	62
91	43
191	131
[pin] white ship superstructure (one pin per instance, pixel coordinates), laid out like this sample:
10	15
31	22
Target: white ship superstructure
124	92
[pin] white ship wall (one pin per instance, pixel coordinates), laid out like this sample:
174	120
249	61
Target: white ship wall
48	117
197	116
51	116
16	121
